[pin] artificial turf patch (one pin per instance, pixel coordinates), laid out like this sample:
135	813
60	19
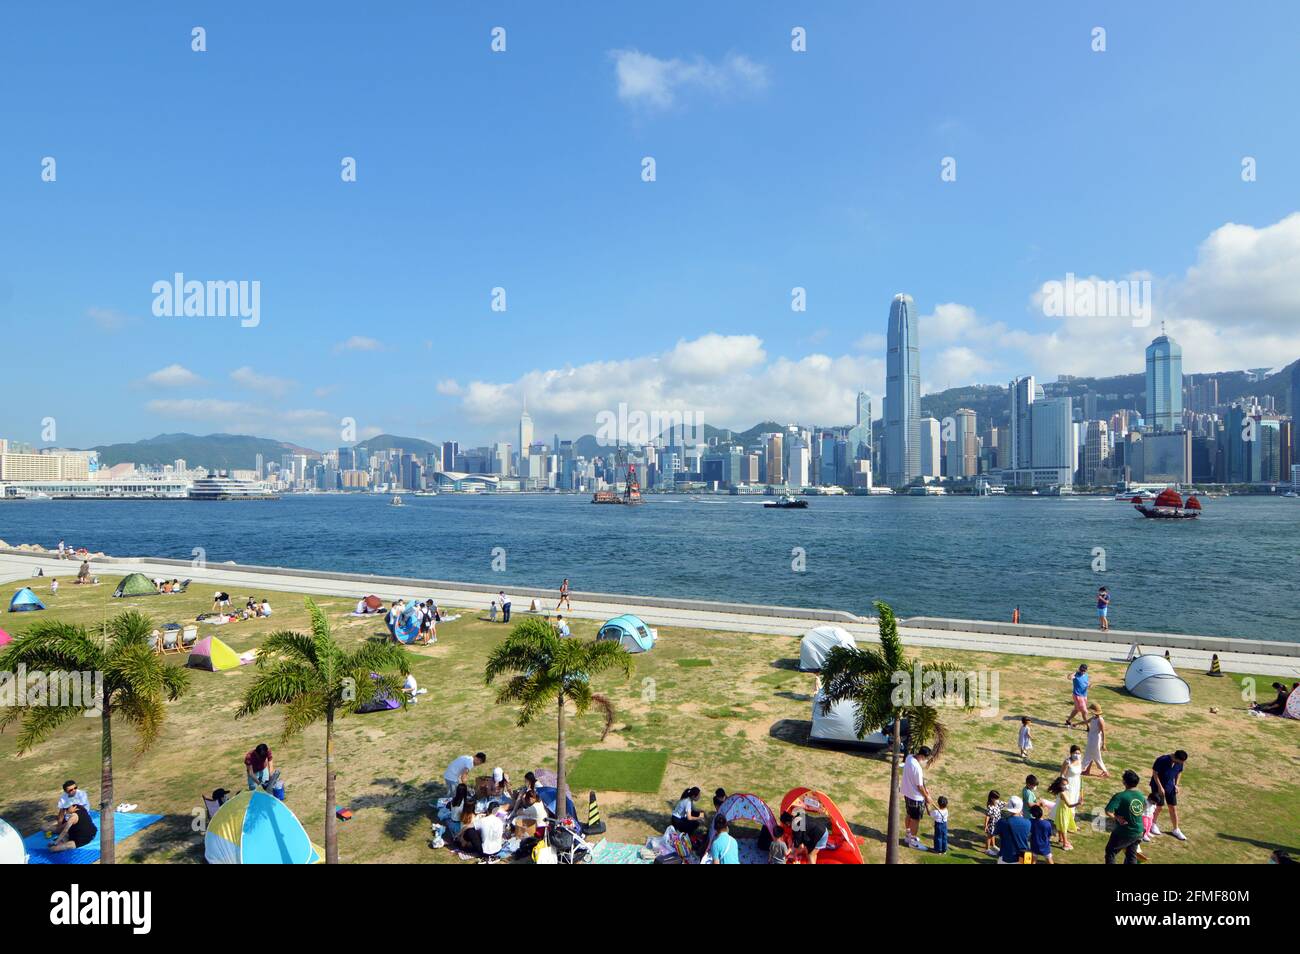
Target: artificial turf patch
618	771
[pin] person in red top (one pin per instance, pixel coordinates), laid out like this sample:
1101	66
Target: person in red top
261	769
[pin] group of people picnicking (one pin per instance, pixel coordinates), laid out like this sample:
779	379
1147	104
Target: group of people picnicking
1025	827
256	607
788	843
485	816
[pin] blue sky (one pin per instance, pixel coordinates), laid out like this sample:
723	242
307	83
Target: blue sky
522	169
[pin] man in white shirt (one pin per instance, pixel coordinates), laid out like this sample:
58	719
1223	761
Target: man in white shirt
459	769
71	797
562	626
505	606
488	831
915	794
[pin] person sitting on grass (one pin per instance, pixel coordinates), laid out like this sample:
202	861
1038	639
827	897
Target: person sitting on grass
686	817
1278	705
71	799
724	850
265	609
483	835
77	830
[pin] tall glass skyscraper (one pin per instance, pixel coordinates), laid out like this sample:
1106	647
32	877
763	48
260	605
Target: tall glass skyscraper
902	395
1164	383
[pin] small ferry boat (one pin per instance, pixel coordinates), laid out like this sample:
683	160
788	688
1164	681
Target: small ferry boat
228	488
631	492
1168	505
396	502
786	502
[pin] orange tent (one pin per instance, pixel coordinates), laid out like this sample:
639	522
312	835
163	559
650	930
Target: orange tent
843	847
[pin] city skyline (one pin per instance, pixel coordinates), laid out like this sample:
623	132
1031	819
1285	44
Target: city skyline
682	288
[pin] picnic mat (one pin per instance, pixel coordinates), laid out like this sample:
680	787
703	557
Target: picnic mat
607	852
127	824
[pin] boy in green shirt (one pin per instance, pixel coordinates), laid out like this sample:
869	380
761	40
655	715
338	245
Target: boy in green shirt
1126	809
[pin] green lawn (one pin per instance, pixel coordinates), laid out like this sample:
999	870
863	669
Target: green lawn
740	723
619	771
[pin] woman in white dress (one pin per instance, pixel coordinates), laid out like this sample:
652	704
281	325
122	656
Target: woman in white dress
1096	742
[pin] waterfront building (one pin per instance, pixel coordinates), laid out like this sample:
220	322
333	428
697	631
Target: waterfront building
1096	453
1023	392
525	439
902	394
1166	457
1164	409
1054	447
775	458
962	452
931	448
859	436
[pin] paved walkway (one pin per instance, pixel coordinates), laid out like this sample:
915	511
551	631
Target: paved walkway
243	581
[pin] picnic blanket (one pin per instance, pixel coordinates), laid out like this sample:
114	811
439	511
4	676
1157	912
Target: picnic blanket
607	852
127	824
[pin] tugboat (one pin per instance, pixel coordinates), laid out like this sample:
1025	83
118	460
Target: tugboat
631	492
1168	505
786	502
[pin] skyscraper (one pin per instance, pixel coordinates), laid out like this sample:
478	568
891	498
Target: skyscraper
930	447
1164	383
525	439
1295	392
860	432
902	394
1020	453
962	452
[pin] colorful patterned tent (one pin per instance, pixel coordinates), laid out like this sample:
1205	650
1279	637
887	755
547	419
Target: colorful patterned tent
744	807
25	601
1292	708
255	828
213	655
5	638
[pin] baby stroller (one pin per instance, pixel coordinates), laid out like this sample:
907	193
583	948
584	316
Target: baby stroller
568	844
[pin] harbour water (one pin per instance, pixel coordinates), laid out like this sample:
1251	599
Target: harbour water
1234	572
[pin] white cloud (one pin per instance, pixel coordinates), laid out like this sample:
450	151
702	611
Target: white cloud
174	375
359	343
246	377
108	319
649	80
449	386
727	379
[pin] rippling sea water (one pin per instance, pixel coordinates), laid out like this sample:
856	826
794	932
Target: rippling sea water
1234	572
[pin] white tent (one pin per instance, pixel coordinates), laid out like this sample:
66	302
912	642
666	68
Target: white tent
837	726
817	644
1153	678
11	845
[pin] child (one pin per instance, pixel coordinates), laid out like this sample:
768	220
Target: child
1025	741
940	817
992	815
1148	820
492	613
1040	835
54	587
1029	794
1059	808
779	850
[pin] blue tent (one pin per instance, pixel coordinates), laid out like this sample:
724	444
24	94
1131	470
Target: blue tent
25	601
547	795
631	631
408	624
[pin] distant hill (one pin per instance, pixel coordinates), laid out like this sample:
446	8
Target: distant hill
213	451
410	445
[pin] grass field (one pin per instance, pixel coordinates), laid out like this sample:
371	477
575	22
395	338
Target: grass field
727	709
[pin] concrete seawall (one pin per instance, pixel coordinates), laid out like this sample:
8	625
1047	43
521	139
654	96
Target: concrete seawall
1263	657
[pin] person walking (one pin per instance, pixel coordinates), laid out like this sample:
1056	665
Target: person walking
1096	742
1125	809
1103	609
1079	687
1166	773
564	597
1072	796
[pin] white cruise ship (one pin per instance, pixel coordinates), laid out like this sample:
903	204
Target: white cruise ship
228	488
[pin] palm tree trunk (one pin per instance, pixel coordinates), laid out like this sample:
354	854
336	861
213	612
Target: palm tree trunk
560	804
891	834
331	824
107	852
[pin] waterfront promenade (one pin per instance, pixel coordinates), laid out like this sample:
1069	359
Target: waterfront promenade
1259	657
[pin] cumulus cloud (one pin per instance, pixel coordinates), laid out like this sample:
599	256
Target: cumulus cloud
246	377
174	375
448	386
728	380
648	80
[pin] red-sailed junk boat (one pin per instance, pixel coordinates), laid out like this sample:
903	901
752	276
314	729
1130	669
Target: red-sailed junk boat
631	493
1168	505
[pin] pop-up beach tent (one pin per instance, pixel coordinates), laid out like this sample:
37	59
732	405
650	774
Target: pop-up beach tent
817	644
1292	708
382	702
25	601
547	794
631	631
745	807
11	845
843	847
408	623
836	727
255	828
5	638
213	655
1152	677
137	584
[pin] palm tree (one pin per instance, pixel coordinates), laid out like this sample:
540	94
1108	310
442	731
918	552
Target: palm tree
552	669
135	683
879	683
315	678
